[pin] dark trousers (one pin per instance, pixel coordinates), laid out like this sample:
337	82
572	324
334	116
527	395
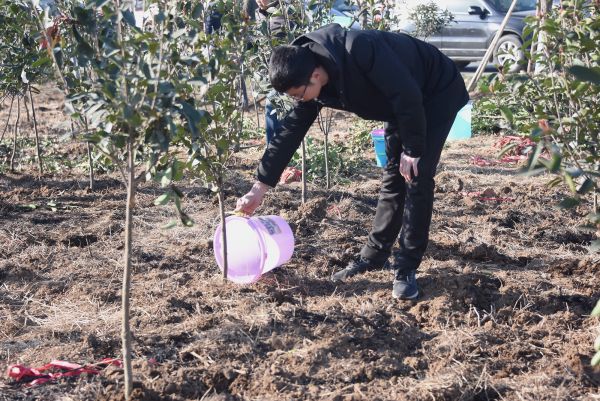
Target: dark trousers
272	123
405	208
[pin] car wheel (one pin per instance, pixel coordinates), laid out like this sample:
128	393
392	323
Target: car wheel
508	53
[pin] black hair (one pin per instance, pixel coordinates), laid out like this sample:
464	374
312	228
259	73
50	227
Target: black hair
291	66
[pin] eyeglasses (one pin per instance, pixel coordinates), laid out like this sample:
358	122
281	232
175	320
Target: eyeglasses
301	97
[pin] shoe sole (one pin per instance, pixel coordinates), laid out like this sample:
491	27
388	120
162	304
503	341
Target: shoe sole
412	297
340	279
348	276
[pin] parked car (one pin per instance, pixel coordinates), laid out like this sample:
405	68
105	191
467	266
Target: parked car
475	24
344	14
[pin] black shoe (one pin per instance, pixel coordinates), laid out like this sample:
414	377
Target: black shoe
405	285
355	267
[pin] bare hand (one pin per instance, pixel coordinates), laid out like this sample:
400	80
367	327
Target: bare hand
252	200
407	165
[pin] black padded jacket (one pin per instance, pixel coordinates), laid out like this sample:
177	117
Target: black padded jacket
377	75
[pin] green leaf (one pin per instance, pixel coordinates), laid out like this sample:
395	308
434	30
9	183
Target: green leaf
170	225
581	88
569	203
570	182
197	11
508	115
197	81
41	62
119	141
594	218
554	182
128	17
153	47
535	155
596	359
167	176
165	87
596	311
574	172
163	199
595	247
84	52
178	169
193	116
177	191
506	149
586	74
178	204
553	165
178	33
101	3
109	89
587	186
186	220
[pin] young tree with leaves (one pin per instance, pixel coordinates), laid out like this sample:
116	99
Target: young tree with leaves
23	66
147	95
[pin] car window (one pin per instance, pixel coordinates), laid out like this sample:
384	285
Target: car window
458	7
522	5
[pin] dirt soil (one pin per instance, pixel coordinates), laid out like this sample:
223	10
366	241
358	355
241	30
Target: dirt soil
507	287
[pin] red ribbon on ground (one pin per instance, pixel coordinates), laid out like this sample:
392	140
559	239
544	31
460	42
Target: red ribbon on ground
483	162
46	373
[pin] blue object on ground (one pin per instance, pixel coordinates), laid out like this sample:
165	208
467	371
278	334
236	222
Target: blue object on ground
378	136
461	128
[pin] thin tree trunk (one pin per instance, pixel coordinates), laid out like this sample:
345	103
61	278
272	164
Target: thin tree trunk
90	158
223	229
364	14
127	272
255	104
37	136
73	136
303	172
531	62
540	46
325	126
91	166
244	89
12	100
325	130
15	134
26	108
327	174
240	127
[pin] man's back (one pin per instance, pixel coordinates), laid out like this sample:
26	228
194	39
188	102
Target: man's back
377	74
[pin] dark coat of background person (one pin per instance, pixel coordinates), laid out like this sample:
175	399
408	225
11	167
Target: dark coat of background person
212	21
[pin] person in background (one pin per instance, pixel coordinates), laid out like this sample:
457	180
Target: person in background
279	27
391	77
212	24
212	21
